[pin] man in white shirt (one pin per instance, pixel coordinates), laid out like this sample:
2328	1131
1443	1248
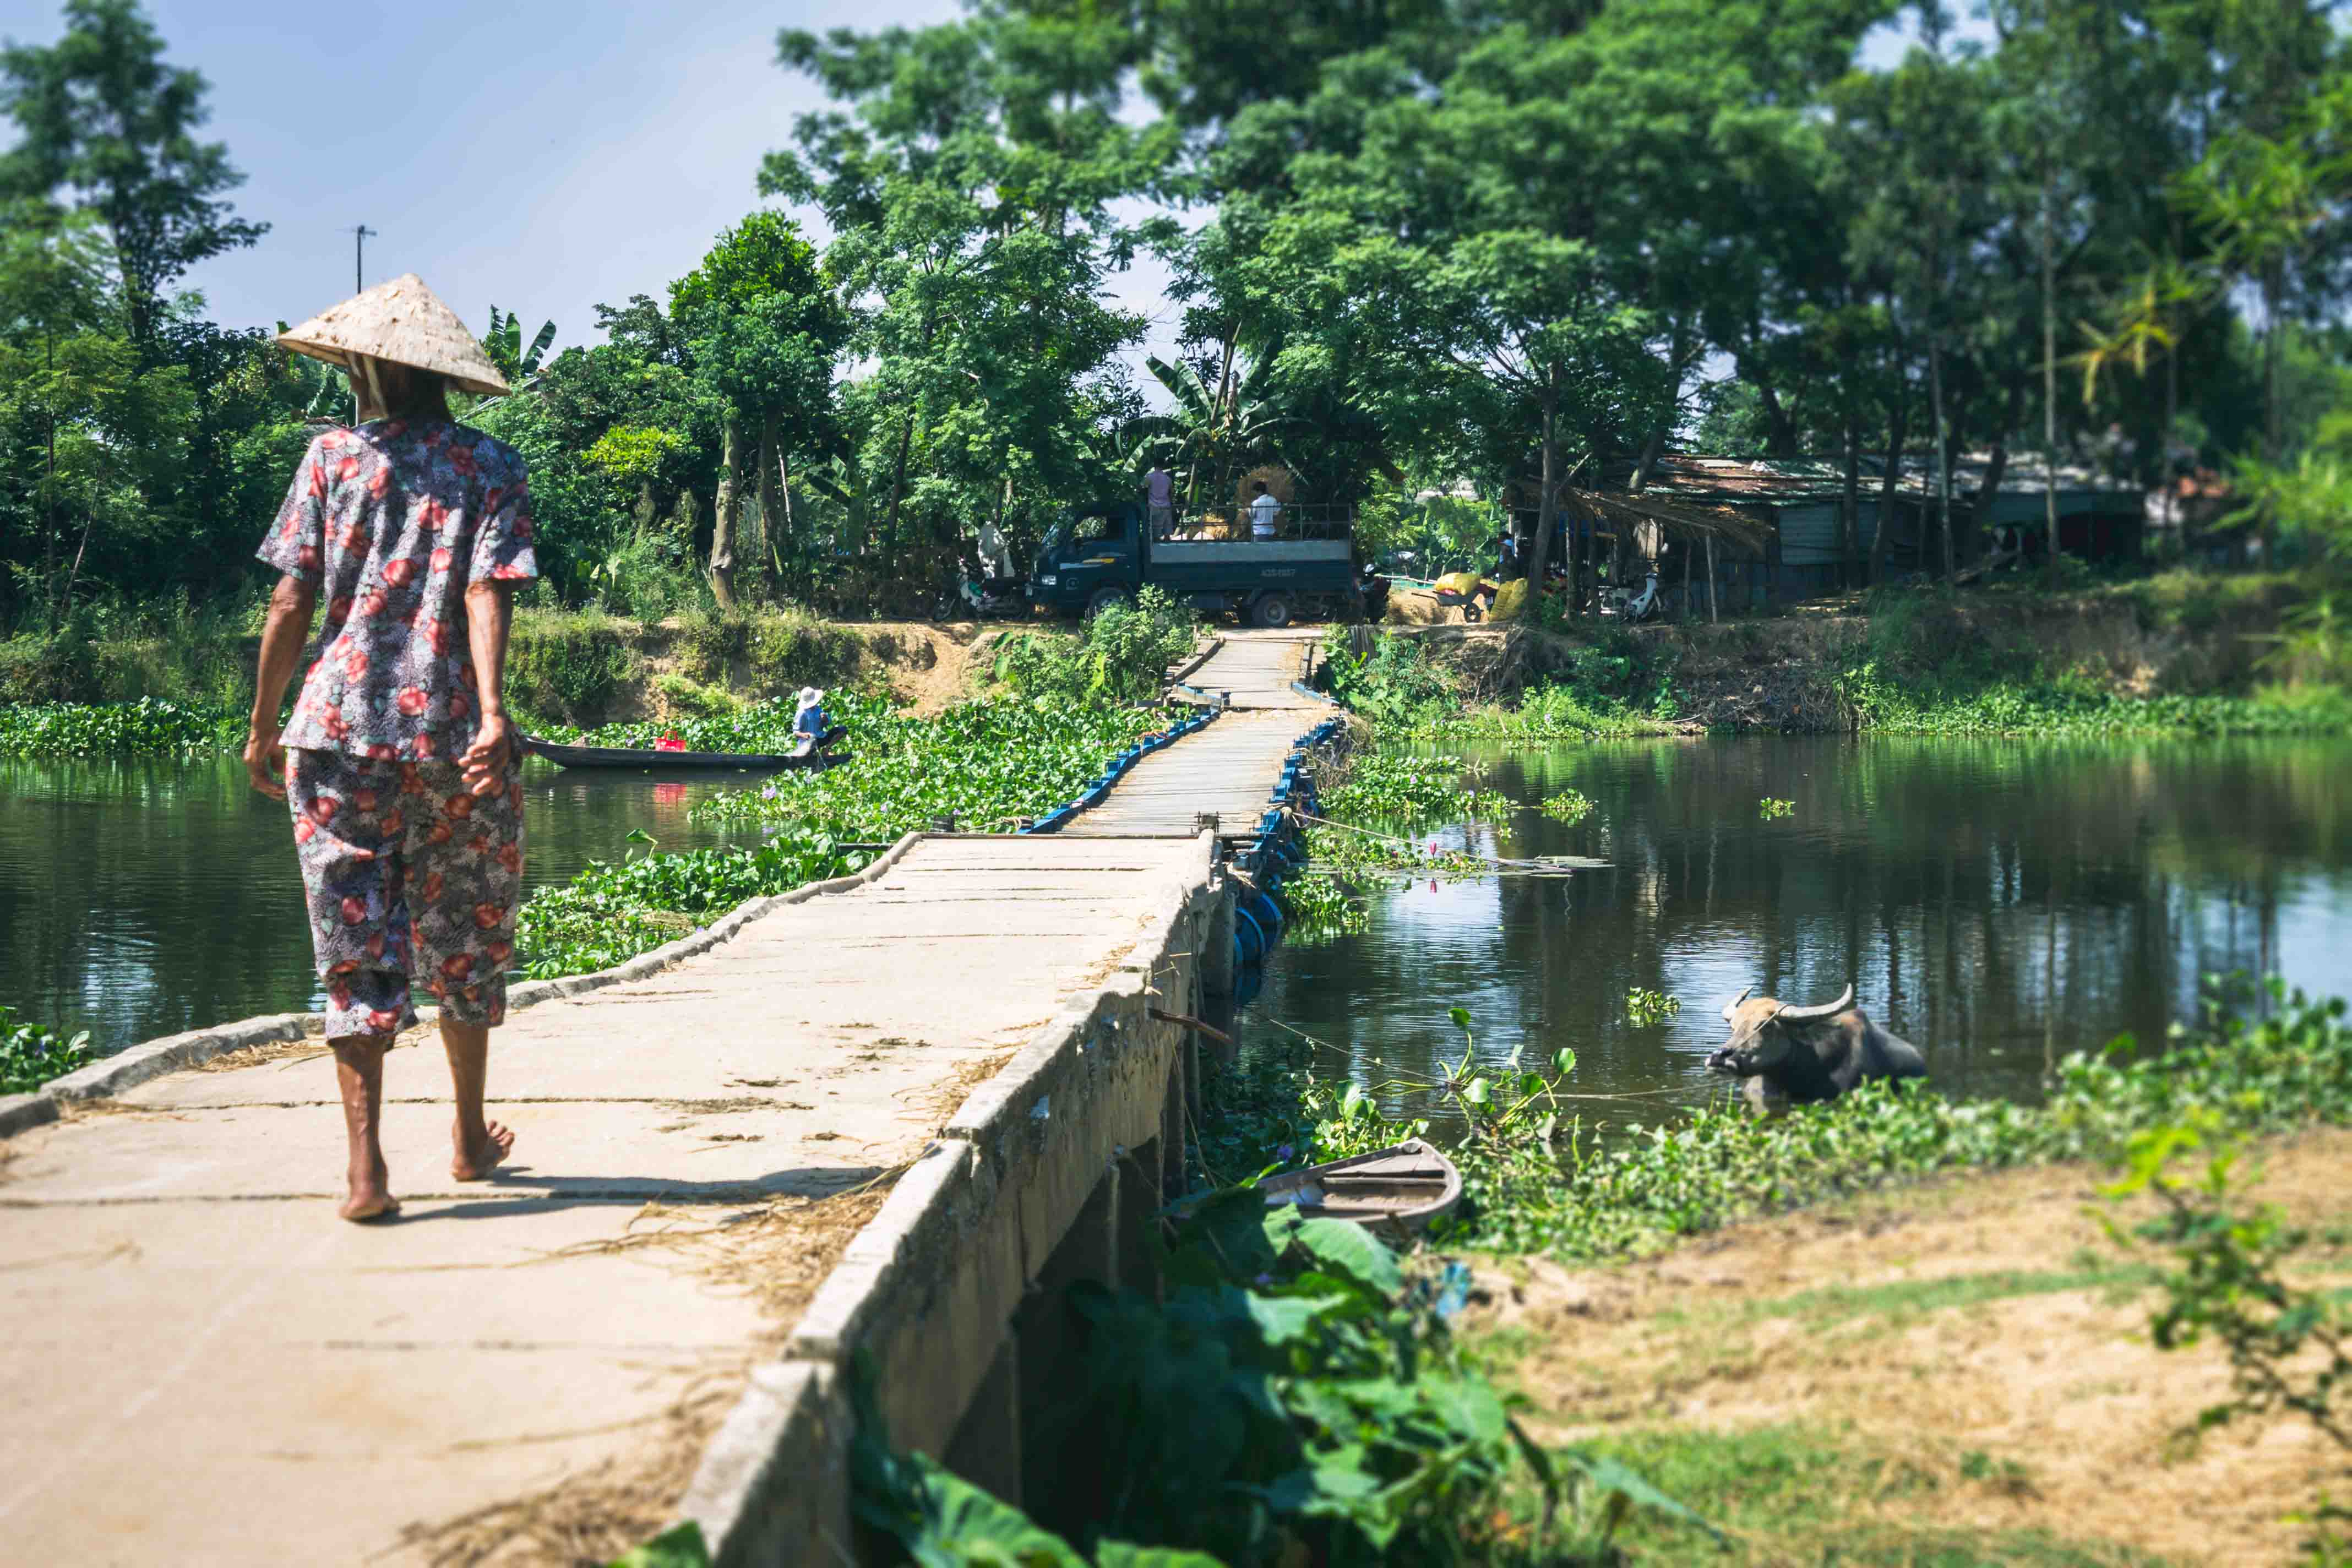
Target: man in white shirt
1262	511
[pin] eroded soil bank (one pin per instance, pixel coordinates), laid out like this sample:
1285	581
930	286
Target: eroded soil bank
1796	670
1967	1362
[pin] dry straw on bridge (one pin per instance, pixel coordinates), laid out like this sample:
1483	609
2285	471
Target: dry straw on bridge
403	321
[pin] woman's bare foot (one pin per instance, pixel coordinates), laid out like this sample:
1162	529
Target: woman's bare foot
371	1196
478	1157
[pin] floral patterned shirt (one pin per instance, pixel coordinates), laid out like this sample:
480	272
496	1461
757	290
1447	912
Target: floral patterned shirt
395	520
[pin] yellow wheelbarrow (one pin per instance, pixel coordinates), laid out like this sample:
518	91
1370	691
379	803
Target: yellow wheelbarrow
1467	590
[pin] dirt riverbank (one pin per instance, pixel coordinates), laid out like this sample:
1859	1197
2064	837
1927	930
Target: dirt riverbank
1966	1360
2177	634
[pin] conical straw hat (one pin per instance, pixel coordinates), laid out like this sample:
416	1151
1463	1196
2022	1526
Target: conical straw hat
401	321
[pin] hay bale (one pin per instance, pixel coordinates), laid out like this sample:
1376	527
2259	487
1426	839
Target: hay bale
1279	482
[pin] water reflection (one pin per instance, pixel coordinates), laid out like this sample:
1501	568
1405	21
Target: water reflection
1997	904
139	898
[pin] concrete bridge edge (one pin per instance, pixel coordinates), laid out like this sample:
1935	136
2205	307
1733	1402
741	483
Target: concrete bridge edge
933	1285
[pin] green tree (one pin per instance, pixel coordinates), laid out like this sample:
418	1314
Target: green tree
763	330
972	194
106	126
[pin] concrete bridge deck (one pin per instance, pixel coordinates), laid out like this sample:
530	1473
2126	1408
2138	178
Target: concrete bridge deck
1228	769
206	1367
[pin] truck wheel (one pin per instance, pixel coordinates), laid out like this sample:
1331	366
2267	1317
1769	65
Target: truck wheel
1105	598
1273	610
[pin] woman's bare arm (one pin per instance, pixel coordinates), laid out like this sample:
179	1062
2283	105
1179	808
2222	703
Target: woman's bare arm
291	604
489	611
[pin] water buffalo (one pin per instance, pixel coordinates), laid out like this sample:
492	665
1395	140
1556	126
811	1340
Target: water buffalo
1799	1055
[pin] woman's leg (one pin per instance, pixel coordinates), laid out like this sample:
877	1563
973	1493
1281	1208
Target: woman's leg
466	868
341	806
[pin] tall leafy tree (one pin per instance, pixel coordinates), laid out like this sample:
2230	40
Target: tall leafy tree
972	196
763	330
107	126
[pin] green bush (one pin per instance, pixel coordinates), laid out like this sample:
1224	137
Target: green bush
1122	656
566	665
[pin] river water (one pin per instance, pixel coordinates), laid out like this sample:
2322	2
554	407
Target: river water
141	899
1998	903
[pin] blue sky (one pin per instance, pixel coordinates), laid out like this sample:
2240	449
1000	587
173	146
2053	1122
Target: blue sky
542	157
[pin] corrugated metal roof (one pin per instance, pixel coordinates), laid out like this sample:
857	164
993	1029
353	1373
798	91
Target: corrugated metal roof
1734	481
2022	475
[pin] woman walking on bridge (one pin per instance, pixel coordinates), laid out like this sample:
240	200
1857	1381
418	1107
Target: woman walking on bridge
400	766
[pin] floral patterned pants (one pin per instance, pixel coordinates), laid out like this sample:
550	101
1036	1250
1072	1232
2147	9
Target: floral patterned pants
408	873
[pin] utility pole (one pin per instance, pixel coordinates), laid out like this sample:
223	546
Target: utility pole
359	233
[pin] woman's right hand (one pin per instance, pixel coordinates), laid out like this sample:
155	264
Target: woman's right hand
265	761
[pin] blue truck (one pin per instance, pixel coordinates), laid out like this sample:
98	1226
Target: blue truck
1105	554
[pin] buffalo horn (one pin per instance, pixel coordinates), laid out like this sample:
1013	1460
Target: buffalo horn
1736	1001
1803	1015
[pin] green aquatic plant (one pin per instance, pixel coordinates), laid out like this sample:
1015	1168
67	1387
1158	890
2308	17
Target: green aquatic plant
984	764
1574	1194
1768	809
1568	805
151	727
30	1055
1643	1008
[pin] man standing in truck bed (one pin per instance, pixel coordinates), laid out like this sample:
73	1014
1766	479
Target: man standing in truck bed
1262	511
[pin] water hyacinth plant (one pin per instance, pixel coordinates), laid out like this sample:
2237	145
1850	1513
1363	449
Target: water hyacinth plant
151	727
1644	1008
986	763
1568	805
30	1055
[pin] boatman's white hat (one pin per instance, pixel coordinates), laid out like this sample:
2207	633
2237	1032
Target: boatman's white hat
811	696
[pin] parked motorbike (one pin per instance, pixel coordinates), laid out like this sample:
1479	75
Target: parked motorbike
983	598
1634	606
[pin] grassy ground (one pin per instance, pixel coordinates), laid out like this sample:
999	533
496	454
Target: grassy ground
1956	1374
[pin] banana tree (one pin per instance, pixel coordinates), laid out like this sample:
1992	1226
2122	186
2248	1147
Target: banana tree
504	344
1205	428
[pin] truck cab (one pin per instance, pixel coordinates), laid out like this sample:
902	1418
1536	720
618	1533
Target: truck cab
1100	556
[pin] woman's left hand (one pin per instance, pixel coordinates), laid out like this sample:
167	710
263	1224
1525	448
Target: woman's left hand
487	760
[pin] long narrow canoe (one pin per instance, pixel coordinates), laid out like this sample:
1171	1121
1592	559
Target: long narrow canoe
1397	1190
646	757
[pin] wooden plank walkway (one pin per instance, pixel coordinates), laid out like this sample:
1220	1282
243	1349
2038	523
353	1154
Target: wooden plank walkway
1228	769
207	1367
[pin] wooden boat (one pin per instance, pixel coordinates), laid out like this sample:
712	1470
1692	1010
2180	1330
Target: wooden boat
647	757
1397	1190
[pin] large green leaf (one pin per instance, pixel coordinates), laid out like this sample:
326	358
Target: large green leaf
1612	1477
1468	1405
1119	1555
1283	1318
681	1546
969	1528
1348	1248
